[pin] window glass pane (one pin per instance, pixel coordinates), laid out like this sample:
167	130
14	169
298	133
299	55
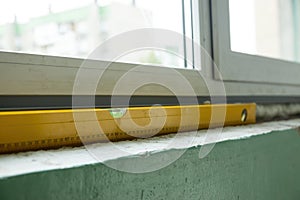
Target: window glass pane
266	27
75	28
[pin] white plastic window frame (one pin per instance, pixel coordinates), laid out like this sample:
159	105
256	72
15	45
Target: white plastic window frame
36	74
27	74
241	67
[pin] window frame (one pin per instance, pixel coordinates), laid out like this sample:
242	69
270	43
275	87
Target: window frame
28	87
263	69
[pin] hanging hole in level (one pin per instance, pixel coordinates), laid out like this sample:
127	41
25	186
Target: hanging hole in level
244	115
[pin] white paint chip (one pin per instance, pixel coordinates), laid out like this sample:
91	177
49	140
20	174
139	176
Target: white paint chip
30	162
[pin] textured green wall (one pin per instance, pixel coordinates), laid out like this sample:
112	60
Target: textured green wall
262	167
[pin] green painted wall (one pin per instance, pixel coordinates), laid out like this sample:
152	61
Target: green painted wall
262	167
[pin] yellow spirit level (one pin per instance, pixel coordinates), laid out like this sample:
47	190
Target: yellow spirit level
45	129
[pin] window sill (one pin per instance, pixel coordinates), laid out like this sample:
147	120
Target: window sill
32	162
